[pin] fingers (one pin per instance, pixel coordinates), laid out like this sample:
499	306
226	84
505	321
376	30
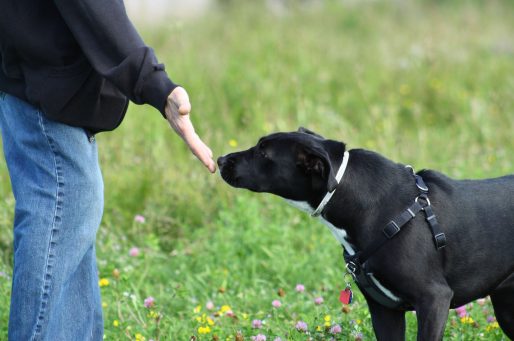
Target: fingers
195	144
202	152
178	116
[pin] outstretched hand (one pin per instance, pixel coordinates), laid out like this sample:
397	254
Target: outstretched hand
177	111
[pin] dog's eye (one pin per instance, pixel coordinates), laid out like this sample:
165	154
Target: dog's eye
262	151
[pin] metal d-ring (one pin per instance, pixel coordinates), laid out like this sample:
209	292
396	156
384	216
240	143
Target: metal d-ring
411	169
424	197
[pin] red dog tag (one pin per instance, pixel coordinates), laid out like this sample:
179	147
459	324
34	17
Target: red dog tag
346	296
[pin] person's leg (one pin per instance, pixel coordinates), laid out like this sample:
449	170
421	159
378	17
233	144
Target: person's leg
58	188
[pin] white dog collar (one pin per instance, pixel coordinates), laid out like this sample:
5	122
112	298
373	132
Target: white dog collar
329	195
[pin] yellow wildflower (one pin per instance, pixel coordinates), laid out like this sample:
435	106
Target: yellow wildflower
210	321
104	305
140	337
204	330
467	320
492	326
197	309
224	309
103	282
318	328
115	323
327	318
204	319
152	314
232	143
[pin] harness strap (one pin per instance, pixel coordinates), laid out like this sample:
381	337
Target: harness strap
357	266
392	228
368	284
437	233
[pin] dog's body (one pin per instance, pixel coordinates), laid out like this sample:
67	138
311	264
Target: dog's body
477	217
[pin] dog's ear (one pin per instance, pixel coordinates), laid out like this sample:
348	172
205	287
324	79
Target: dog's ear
315	161
310	132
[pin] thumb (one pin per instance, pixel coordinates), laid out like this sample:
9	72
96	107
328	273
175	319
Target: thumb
184	108
180	98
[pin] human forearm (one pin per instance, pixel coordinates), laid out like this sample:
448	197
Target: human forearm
116	51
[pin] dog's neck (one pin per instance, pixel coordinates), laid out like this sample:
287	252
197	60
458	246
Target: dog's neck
371	182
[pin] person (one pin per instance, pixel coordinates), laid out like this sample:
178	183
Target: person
68	70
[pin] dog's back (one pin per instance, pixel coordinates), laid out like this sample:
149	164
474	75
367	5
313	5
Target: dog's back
479	216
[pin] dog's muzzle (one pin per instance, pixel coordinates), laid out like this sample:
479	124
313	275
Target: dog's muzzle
227	165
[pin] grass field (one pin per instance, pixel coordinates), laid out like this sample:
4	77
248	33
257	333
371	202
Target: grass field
427	83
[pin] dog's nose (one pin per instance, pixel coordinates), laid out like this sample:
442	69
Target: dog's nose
226	161
222	160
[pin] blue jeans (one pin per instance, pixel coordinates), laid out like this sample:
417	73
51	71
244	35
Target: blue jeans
58	187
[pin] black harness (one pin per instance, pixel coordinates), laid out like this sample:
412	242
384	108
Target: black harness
356	264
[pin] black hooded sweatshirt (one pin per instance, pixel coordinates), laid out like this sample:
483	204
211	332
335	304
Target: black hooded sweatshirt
78	61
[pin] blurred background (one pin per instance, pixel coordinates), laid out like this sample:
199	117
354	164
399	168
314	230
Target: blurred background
426	83
142	11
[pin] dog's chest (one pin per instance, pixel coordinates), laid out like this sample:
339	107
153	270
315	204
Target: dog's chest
338	233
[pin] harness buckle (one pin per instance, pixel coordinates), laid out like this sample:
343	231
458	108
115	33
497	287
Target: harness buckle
351	268
440	240
391	229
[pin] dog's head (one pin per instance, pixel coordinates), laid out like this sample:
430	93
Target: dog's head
296	165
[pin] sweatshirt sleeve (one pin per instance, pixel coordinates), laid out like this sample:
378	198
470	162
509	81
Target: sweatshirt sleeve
116	50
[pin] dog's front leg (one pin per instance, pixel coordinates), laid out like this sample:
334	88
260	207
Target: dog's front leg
432	312
388	324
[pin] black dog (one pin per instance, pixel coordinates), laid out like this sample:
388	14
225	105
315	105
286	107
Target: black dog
476	217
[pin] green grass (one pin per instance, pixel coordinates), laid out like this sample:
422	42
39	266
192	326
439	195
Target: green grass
429	84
